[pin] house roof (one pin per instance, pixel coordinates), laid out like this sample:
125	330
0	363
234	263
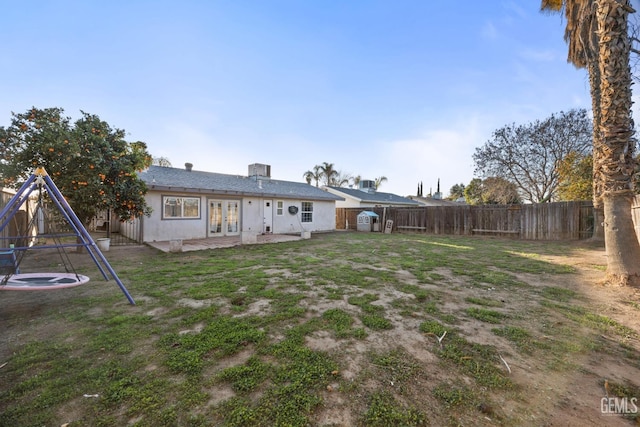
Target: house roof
432	201
176	179
375	197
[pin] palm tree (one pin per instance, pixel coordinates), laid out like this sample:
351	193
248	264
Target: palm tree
597	35
581	36
380	180
341	179
328	172
313	175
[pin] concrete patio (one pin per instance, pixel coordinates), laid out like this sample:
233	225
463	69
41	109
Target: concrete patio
220	242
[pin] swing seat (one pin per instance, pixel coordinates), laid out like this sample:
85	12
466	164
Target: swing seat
42	281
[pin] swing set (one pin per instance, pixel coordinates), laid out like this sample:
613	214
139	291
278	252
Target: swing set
43	226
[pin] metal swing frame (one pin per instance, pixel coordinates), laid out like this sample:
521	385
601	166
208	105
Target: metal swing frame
40	180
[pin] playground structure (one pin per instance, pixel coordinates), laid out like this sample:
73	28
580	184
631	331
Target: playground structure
39	228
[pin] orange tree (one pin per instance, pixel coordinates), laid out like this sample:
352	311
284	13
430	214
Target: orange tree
91	163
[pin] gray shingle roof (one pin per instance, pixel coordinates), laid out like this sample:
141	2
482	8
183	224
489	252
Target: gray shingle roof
430	201
175	179
376	197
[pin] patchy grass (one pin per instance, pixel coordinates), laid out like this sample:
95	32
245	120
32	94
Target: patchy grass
485	315
454	395
343	329
558	294
384	410
586	317
521	337
486	302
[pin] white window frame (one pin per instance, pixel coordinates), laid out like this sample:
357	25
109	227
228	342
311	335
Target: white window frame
280	207
180	203
306	212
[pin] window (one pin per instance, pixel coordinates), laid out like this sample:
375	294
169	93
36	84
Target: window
307	212
180	207
279	208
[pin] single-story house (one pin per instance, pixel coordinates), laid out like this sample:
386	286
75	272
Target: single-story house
366	196
191	204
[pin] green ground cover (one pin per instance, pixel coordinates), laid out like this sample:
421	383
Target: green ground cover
342	329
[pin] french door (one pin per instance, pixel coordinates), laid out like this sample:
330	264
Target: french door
224	217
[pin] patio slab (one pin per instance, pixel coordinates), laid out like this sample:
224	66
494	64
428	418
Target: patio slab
223	242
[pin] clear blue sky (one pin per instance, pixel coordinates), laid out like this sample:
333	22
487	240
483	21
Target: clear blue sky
401	88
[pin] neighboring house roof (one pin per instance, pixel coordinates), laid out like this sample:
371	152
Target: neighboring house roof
432	201
375	197
175	179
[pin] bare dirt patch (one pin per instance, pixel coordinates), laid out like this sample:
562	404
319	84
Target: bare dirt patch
564	395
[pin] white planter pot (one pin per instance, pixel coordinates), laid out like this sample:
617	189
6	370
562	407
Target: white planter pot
103	244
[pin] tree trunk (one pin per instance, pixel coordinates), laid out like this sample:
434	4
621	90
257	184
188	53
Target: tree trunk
617	164
597	153
623	252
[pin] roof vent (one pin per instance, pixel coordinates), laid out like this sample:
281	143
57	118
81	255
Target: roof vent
188	166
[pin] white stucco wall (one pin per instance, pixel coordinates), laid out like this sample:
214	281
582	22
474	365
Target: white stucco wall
158	229
348	202
324	217
155	228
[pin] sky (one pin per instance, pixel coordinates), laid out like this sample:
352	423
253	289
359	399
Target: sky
405	89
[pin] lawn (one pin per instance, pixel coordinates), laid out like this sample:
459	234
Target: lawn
344	329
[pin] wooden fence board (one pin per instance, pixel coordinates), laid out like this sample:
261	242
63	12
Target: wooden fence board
542	221
635	214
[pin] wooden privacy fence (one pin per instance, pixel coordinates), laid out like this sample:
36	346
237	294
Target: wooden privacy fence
635	213
542	221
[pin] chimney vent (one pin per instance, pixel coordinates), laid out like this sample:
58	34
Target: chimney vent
188	166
